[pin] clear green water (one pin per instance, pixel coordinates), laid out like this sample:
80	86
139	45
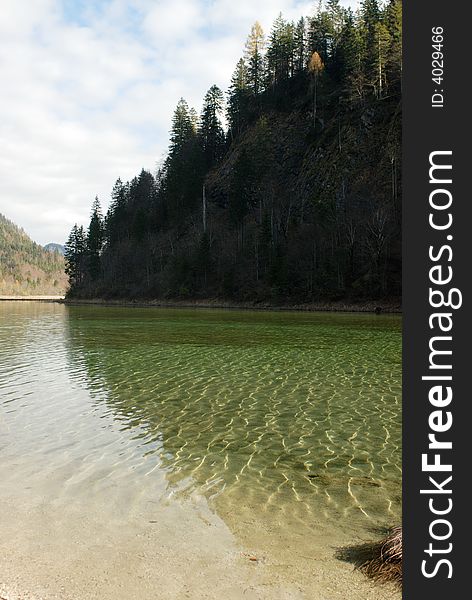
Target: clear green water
288	423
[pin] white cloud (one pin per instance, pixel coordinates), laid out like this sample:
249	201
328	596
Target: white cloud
88	98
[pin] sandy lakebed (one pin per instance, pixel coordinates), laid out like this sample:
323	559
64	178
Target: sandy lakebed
151	453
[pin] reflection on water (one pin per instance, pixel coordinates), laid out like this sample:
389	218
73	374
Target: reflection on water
290	419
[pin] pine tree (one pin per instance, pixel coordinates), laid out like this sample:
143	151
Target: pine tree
349	58
211	132
95	240
115	226
75	254
393	21
341	24
336	16
238	100
183	166
142	199
194	119
320	34
255	58
370	13
279	51
300	45
182	129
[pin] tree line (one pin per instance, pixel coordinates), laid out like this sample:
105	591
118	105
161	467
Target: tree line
286	188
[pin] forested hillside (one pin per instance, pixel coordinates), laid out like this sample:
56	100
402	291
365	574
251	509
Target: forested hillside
285	189
25	267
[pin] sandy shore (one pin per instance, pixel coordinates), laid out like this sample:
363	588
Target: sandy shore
182	552
105	525
32	299
390	306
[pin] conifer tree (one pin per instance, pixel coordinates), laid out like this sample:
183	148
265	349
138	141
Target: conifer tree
315	67
95	239
75	253
393	22
182	129
255	58
115	226
238	100
300	45
320	34
280	51
183	169
211	131
349	58
336	16
370	13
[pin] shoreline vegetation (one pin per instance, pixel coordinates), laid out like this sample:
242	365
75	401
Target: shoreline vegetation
373	306
390	306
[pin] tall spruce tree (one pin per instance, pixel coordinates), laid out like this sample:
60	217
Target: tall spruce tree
300	45
182	131
370	13
279	51
75	254
116	222
238	100
255	58
320	34
95	240
212	137
393	20
183	167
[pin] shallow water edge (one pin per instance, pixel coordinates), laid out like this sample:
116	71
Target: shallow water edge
177	453
384	306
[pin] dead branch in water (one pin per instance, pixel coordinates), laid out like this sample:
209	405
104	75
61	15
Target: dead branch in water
381	561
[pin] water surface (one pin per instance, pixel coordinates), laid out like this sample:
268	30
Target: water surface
285	428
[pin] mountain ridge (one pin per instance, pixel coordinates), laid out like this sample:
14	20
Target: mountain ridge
26	268
54	247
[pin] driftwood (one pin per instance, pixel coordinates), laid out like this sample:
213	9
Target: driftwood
381	561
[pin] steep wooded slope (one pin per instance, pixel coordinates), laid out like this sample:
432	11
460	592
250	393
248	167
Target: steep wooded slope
25	267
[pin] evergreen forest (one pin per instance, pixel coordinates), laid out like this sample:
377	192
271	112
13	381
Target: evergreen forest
285	188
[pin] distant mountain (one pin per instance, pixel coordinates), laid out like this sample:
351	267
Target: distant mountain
52	247
26	268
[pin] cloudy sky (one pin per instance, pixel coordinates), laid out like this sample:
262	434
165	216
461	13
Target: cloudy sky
88	88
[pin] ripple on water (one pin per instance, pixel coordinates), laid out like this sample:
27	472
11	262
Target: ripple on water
278	418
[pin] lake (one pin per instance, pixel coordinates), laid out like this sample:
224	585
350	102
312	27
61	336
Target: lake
194	453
